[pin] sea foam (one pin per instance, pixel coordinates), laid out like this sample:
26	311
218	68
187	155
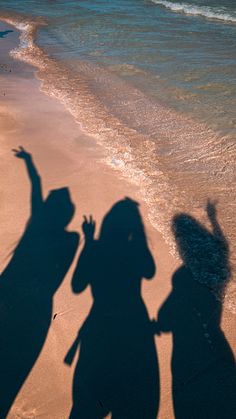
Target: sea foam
204	11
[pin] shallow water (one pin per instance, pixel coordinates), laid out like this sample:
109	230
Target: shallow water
155	82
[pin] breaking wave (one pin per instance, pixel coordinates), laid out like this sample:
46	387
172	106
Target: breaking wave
191	9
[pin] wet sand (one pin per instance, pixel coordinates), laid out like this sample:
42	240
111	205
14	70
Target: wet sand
65	156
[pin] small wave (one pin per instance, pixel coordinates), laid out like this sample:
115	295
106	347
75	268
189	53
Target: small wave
204	11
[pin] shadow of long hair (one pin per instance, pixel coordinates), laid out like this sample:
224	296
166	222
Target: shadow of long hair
203	365
205	252
117	370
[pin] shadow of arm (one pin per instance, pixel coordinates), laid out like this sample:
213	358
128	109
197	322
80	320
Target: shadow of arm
36	187
217	231
143	258
149	267
35	180
164	317
82	274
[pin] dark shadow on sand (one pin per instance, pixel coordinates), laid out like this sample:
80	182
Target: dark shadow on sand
203	365
3	34
117	370
37	268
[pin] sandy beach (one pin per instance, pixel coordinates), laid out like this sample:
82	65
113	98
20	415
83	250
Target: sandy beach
65	157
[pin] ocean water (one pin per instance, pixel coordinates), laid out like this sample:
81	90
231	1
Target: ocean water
155	82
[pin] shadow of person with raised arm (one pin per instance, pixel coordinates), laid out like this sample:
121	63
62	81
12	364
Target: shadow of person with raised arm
37	267
203	365
117	370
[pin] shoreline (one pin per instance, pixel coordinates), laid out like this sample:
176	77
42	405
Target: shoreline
160	164
65	156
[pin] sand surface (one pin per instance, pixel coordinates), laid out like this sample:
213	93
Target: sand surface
66	157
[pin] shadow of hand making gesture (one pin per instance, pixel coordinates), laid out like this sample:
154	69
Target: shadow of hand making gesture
37	267
117	370
203	366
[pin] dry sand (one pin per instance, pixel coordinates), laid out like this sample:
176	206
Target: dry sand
65	156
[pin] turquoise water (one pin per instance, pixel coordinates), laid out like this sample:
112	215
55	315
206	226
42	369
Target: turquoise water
185	60
155	82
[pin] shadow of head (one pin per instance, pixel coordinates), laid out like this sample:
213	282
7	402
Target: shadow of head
203	252
122	222
58	208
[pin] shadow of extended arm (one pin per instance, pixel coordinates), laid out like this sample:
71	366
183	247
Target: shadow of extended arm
217	231
35	180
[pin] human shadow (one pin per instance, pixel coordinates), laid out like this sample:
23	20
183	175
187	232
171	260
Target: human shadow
117	369
203	365
27	285
3	34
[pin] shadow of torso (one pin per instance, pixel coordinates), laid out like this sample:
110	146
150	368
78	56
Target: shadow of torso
36	270
117	370
203	365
